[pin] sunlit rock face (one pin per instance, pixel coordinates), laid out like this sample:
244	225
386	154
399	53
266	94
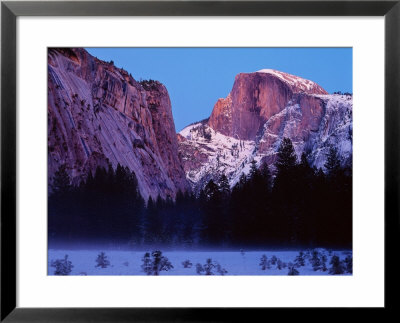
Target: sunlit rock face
250	123
256	97
98	115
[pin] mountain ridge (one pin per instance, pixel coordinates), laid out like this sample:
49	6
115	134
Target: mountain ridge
100	116
262	108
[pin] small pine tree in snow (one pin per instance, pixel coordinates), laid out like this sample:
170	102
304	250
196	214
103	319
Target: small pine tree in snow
199	269
208	268
147	266
220	270
279	264
153	266
324	259
264	263
63	266
348	264
300	260
293	271
315	260
307	254
274	260
337	266
284	265
187	264
160	263
102	260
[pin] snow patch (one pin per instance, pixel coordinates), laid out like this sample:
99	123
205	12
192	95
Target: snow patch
225	154
295	82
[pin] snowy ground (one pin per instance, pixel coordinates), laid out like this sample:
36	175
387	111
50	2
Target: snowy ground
235	262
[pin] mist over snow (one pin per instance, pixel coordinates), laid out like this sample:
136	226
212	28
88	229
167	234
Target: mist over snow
238	262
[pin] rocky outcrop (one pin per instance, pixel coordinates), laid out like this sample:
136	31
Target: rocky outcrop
254	98
314	123
98	115
262	109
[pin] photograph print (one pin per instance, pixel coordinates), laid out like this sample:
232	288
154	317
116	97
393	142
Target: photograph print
200	161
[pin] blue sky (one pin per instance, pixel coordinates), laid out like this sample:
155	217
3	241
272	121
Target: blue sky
197	77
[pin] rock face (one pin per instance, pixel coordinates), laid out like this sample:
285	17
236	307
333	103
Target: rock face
98	115
263	108
256	97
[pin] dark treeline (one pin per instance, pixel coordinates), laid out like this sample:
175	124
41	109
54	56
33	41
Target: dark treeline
299	206
106	207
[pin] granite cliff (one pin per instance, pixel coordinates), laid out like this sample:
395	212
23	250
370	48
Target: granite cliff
250	123
99	115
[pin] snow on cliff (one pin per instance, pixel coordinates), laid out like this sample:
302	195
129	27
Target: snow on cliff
297	83
249	124
215	154
207	153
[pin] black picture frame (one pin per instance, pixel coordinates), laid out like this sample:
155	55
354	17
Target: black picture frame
10	10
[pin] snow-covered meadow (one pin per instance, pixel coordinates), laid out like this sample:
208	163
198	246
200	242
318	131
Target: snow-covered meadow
234	262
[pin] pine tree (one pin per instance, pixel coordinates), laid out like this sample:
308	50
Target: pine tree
61	181
287	158
253	170
147	266
293	271
187	264
114	185
242	181
63	266
199	269
286	193
211	189
220	270
215	215
332	164
305	170
337	266
324	259
266	176
264	263
315	260
160	263
153	221
300	260
348	264
102	260
156	264
208	268
223	185
101	182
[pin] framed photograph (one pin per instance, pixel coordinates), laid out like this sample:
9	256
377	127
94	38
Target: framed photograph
197	157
